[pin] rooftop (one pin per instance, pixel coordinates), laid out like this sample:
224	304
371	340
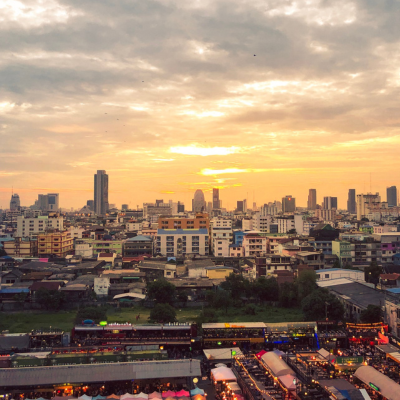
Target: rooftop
182	231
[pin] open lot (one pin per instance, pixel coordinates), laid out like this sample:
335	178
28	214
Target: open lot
25	322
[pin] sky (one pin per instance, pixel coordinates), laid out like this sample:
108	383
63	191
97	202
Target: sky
261	98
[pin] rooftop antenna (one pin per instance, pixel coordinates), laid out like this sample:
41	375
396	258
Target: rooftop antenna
370	182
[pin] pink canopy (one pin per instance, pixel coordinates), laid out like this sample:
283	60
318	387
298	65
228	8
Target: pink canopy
260	354
168	393
127	396
182	393
155	395
113	396
287	381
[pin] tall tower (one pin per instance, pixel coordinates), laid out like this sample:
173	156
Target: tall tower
288	204
351	201
215	203
329	203
312	199
15	202
100	192
391	196
198	202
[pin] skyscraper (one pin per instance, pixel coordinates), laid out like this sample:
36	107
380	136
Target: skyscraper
351	201
329	203
198	202
288	204
365	201
215	204
15	202
391	196
312	199
100	192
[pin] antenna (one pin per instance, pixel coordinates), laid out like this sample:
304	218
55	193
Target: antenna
370	182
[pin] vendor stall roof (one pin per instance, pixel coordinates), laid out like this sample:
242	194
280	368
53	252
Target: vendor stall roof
232	325
380	382
17	377
129	295
222	354
223	374
277	366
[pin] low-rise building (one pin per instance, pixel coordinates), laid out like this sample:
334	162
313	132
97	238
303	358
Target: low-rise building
83	248
342	249
221	248
55	243
138	246
337	273
27	227
254	245
21	247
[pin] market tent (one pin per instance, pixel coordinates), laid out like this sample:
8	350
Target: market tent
127	396
220	365
141	395
395	356
98	397
386	386
170	398
260	354
113	396
85	397
196	391
326	355
223	354
287	381
198	397
155	395
183	398
279	353
168	393
276	365
182	393
223	374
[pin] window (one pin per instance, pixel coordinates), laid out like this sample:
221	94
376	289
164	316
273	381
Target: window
219	248
326	276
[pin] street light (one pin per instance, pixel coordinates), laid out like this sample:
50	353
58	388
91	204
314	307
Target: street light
295	385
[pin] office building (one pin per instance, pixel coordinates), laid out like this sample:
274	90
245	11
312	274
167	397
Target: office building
288	204
124	207
181	207
198	202
216	204
329	203
90	204
48	202
391	193
365	202
351	201
312	199
100	192
15	202
55	243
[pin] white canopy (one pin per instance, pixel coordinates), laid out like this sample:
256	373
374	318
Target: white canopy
131	295
85	397
277	366
141	395
386	386
127	396
223	374
222	354
287	381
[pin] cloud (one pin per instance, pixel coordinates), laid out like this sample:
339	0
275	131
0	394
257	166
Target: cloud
195	150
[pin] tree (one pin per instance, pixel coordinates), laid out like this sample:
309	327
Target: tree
288	295
266	289
292	232
96	314
364	219
237	285
372	314
162	314
336	264
21	298
161	291
182	297
207	315
316	304
371	273
306	283
219	299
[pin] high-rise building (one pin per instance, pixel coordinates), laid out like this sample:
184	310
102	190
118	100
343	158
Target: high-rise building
15	202
125	207
181	207
215	199
90	204
239	206
351	201
365	202
329	203
391	196
48	202
198	202
288	204
100	192
312	199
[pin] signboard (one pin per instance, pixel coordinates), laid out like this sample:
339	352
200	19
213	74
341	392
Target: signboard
374	387
350	360
325	322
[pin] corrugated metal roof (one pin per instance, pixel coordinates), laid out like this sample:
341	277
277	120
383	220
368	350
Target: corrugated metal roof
15	377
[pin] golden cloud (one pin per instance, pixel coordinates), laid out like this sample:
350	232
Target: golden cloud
195	150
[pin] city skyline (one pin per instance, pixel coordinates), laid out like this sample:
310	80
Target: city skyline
264	96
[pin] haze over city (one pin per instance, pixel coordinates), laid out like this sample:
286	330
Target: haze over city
268	98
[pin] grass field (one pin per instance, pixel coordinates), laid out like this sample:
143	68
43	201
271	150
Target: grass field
25	322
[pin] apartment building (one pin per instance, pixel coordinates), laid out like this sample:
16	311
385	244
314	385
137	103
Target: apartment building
21	247
254	245
55	243
220	229
27	227
200	221
389	245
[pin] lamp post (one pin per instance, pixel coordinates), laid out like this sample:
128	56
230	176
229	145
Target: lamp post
295	386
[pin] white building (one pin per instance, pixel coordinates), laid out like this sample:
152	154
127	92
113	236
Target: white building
254	245
221	248
76	233
134	226
83	248
236	251
247	224
177	242
27	227
220	229
262	223
337	273
101	286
